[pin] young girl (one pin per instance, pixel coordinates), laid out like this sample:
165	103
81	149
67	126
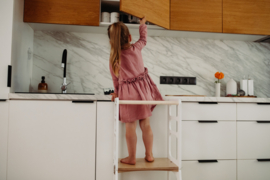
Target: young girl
132	82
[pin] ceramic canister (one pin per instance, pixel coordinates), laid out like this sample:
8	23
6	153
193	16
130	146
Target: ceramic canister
114	17
231	87
105	17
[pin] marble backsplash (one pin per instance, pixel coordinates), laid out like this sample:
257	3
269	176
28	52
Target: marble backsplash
88	62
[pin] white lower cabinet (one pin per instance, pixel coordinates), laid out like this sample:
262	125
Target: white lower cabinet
253	140
209	140
51	140
253	111
105	124
3	137
253	170
221	170
208	111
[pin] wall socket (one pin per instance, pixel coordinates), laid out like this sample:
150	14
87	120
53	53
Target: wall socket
177	80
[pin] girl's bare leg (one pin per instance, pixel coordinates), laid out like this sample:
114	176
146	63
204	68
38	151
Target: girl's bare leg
131	139
147	138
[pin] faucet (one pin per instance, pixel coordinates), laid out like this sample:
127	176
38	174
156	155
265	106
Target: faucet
64	65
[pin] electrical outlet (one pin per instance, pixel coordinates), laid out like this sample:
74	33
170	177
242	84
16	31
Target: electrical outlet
177	80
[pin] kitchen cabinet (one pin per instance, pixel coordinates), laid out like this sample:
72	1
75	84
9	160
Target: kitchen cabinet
105	124
209	111
246	16
253	111
6	19
221	170
4	108
156	11
51	140
208	140
79	12
253	169
253	140
196	15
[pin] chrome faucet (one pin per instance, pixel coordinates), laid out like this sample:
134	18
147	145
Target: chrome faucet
64	65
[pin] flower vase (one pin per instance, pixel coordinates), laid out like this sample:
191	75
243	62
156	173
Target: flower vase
217	89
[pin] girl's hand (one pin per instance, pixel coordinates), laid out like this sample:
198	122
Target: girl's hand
114	95
143	20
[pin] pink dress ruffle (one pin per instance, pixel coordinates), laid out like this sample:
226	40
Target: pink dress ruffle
134	82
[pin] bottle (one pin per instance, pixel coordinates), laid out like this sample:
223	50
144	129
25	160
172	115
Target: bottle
244	85
43	87
250	87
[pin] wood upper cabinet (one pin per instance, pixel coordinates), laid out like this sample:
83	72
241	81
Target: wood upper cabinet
75	12
156	11
246	16
196	15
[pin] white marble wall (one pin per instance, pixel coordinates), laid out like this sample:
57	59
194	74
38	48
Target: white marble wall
88	62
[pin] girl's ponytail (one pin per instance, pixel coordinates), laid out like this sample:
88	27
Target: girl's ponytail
114	32
119	38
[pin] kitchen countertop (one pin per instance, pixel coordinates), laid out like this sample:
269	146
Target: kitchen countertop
24	96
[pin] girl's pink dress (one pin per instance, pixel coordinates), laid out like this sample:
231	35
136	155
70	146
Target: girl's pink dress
134	83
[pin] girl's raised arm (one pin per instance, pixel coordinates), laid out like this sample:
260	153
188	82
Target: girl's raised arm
143	34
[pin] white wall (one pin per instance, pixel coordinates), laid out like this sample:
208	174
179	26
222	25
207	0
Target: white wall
22	40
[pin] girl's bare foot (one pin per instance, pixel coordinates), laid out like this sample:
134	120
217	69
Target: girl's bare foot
128	160
149	157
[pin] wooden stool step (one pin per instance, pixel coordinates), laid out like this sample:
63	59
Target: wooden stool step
160	164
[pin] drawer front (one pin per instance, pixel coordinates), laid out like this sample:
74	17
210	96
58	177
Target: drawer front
220	111
221	170
253	170
253	111
208	140
253	140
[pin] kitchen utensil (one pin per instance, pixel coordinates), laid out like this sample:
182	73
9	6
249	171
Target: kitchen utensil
105	17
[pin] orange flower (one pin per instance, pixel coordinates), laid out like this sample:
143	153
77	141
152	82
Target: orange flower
219	75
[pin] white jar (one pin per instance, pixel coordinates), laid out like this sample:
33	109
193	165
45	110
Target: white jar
105	17
231	87
114	17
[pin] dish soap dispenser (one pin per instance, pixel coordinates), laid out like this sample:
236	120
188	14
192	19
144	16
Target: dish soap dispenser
43	87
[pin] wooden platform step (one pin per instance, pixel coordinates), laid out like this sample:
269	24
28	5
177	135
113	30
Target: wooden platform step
160	164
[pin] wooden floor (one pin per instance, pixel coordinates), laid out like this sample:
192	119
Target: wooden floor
160	164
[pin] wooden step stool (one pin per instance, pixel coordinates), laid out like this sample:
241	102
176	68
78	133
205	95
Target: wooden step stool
160	164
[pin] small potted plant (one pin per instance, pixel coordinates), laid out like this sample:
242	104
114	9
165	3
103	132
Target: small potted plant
218	75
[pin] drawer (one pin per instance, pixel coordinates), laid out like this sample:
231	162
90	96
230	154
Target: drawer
204	111
208	140
253	111
253	170
253	140
221	170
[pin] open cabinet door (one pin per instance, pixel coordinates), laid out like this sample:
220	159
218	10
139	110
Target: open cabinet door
156	11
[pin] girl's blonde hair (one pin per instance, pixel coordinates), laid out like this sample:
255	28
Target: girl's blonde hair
119	38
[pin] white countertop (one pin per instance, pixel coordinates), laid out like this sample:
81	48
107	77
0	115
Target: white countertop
26	96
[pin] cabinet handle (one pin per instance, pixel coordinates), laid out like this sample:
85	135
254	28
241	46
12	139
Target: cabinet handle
208	102
263	160
2	99
208	121
9	76
208	161
263	103
263	121
82	101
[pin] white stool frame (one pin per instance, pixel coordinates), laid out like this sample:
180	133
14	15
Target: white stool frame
178	133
